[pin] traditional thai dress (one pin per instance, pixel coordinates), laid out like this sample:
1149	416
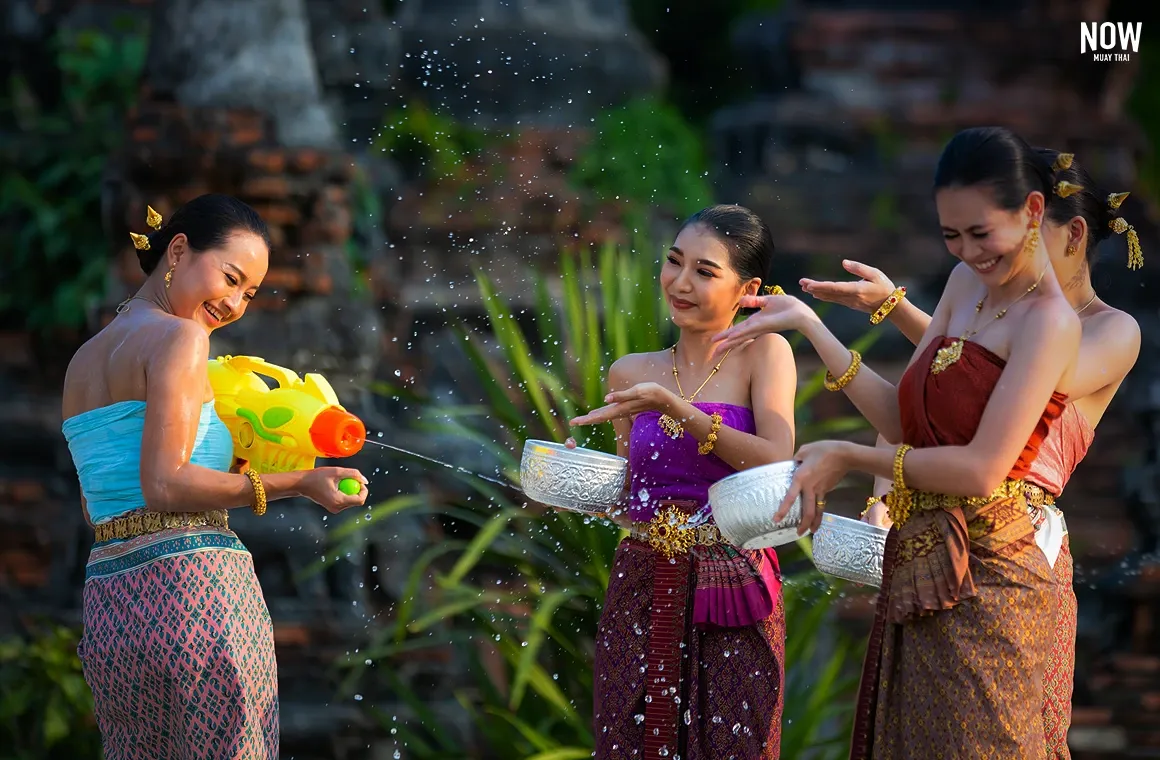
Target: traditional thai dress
956	659
1064	448
178	646
691	642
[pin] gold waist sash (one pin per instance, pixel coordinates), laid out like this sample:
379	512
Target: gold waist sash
901	505
143	523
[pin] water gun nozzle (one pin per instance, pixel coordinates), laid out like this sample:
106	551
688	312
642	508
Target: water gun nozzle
337	433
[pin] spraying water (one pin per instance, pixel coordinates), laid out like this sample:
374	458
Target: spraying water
417	455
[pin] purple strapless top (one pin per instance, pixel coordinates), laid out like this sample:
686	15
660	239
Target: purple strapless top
663	468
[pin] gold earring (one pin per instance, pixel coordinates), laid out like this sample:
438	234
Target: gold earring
1032	241
169	276
1071	250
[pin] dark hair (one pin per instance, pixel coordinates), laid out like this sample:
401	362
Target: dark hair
1091	203
207	221
747	237
997	158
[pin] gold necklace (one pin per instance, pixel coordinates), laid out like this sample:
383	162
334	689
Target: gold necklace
124	305
672	428
1091	300
948	355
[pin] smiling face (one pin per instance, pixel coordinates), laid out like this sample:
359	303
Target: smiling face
699	282
213	287
985	237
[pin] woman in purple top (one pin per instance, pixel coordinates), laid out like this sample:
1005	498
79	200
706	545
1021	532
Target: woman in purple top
691	641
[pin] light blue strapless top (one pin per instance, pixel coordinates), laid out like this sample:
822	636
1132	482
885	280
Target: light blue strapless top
106	448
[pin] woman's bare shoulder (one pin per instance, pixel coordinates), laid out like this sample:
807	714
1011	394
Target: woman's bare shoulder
633	368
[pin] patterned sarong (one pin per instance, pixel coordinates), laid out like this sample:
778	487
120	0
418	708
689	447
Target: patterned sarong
728	679
1058	681
178	649
966	677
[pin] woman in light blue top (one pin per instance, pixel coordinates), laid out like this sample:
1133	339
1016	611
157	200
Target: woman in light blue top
178	647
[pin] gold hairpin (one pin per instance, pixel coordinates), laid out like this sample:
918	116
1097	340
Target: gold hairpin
1116	199
774	290
153	219
1063	188
1135	253
1062	161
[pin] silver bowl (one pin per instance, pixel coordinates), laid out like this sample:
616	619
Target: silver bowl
745	502
850	549
580	480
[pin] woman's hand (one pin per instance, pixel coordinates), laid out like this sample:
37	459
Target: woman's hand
778	314
642	397
320	485
820	467
865	296
876	515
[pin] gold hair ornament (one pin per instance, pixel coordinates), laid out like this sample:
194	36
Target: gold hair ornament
153	219
1115	200
1135	253
774	290
1062	162
1064	189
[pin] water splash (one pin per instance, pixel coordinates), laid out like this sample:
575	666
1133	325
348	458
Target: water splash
461	470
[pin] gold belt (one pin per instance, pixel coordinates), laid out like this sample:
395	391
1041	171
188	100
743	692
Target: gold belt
1036	496
902	504
670	534
143	523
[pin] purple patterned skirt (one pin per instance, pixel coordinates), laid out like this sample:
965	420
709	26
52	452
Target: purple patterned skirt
178	649
726	697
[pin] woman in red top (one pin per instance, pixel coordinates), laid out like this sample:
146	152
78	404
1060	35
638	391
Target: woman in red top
1073	228
954	660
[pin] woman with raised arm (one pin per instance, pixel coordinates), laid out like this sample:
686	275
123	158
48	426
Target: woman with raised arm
954	660
1075	224
689	652
177	648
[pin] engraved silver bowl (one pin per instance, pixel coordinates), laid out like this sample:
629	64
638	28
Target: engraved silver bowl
580	480
850	549
745	502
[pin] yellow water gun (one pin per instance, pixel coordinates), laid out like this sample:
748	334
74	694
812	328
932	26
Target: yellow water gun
284	428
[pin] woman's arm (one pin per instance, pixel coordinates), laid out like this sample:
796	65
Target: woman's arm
175	386
773	385
867	295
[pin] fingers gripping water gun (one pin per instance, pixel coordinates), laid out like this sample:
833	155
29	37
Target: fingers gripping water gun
285	428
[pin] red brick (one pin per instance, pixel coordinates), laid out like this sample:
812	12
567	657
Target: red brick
289	634
245	120
1091	716
245	137
16	349
24	568
278	213
271	161
26	491
185	194
143	134
308	160
276	188
1150	701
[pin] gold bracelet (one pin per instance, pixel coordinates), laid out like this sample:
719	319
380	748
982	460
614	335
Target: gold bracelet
259	505
900	501
887	306
870	502
855	365
711	439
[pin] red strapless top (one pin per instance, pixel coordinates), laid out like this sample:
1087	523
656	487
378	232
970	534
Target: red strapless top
1061	452
945	409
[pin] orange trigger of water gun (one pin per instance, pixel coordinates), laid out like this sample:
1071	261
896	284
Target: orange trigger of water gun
284	428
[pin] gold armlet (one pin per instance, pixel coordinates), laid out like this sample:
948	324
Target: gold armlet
841	382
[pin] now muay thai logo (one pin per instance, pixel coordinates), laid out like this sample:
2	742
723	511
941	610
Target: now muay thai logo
1110	42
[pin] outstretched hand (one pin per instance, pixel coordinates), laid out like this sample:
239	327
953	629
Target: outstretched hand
778	314
865	295
642	397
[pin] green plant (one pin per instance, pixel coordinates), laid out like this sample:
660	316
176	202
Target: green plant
56	253
646	154
523	587
46	708
427	143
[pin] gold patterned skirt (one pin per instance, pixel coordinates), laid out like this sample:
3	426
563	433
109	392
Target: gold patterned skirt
958	675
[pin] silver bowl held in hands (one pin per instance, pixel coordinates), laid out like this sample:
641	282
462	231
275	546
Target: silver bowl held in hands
580	480
745	502
850	549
